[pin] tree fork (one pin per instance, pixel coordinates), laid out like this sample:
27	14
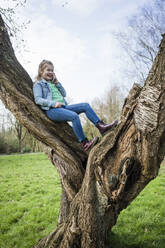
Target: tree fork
117	168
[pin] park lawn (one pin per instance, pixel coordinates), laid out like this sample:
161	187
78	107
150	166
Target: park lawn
30	198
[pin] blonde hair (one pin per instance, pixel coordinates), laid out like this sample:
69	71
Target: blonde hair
42	66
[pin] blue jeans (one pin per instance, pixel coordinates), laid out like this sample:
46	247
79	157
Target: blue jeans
70	113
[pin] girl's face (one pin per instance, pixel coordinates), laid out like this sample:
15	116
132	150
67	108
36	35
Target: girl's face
48	73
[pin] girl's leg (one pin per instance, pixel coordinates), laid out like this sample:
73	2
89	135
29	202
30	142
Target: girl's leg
63	115
84	108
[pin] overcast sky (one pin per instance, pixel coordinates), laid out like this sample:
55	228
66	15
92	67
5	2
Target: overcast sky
76	35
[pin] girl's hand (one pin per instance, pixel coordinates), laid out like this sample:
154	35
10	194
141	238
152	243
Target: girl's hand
58	104
55	80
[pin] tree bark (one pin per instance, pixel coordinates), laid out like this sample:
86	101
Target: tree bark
95	187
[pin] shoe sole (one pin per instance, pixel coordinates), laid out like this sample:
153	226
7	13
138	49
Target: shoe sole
95	142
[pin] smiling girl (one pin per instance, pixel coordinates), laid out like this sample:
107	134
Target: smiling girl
50	95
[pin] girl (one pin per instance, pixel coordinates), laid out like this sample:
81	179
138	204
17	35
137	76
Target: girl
49	94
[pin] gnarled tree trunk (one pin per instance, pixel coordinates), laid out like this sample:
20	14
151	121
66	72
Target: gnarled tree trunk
97	187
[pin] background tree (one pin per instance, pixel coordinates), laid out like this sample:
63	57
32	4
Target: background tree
95	188
142	37
14	137
17	130
12	22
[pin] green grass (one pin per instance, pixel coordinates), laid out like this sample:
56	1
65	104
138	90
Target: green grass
30	198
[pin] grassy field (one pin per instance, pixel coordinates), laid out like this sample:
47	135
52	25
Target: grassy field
30	198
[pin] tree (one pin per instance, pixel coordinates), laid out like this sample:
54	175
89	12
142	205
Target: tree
95	188
15	32
142	37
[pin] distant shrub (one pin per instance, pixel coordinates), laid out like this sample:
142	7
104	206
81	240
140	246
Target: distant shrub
9	144
26	149
3	144
6	147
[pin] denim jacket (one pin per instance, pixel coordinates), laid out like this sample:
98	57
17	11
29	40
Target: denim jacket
43	95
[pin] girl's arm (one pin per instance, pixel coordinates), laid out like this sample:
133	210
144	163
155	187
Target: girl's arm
61	89
38	97
59	85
